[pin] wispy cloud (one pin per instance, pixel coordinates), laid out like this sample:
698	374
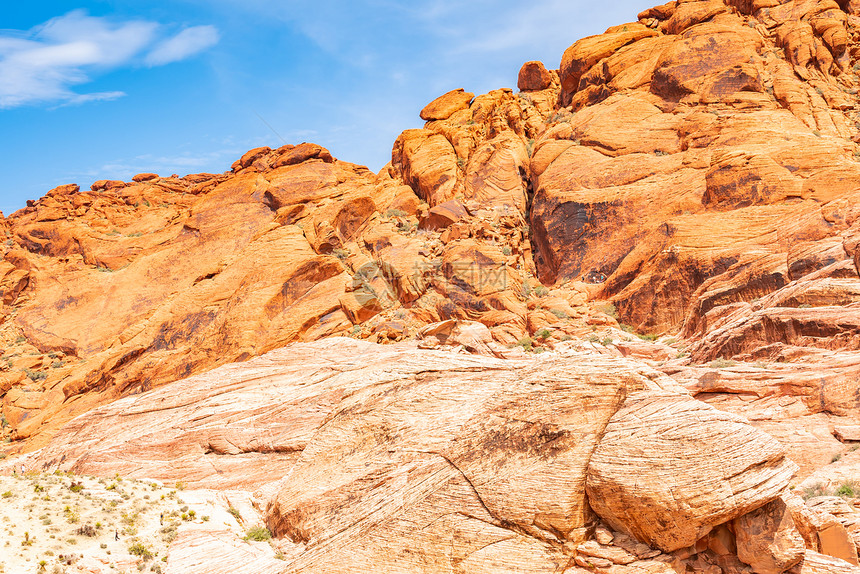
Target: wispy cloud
185	44
44	64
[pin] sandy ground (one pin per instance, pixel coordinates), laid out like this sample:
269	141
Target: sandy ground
61	523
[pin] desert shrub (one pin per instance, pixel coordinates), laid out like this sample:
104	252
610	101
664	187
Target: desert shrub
722	363
36	376
526	343
258	534
816	490
609	309
848	489
86	530
544	334
138	549
235	513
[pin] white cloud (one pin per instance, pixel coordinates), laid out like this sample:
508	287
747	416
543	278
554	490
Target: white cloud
185	44
44	64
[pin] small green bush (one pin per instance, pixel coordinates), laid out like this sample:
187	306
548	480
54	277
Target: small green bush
848	490
36	375
138	549
258	534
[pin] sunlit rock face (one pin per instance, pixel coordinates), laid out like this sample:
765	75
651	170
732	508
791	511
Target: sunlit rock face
354	347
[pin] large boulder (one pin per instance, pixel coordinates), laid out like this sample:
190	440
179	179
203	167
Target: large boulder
768	540
669	469
447	104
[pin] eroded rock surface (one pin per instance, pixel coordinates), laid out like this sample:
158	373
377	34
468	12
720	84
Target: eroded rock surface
690	176
349	445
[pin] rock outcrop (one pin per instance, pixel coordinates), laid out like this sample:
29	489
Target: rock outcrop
349	445
689	177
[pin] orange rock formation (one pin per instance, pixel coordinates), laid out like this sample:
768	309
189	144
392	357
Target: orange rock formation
692	175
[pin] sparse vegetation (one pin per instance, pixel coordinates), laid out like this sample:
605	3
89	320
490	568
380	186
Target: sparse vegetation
609	309
722	363
35	376
848	490
258	534
340	253
138	549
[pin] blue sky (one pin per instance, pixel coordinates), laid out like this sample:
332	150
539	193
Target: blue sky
105	89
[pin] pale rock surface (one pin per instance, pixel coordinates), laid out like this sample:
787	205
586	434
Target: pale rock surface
669	469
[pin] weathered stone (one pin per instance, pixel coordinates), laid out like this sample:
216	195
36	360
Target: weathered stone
534	76
447	104
767	539
662	499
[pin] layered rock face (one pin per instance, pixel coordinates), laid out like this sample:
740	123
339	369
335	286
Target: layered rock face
394	458
693	174
695	167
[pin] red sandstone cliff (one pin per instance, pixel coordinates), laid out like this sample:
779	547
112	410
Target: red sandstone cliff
693	174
